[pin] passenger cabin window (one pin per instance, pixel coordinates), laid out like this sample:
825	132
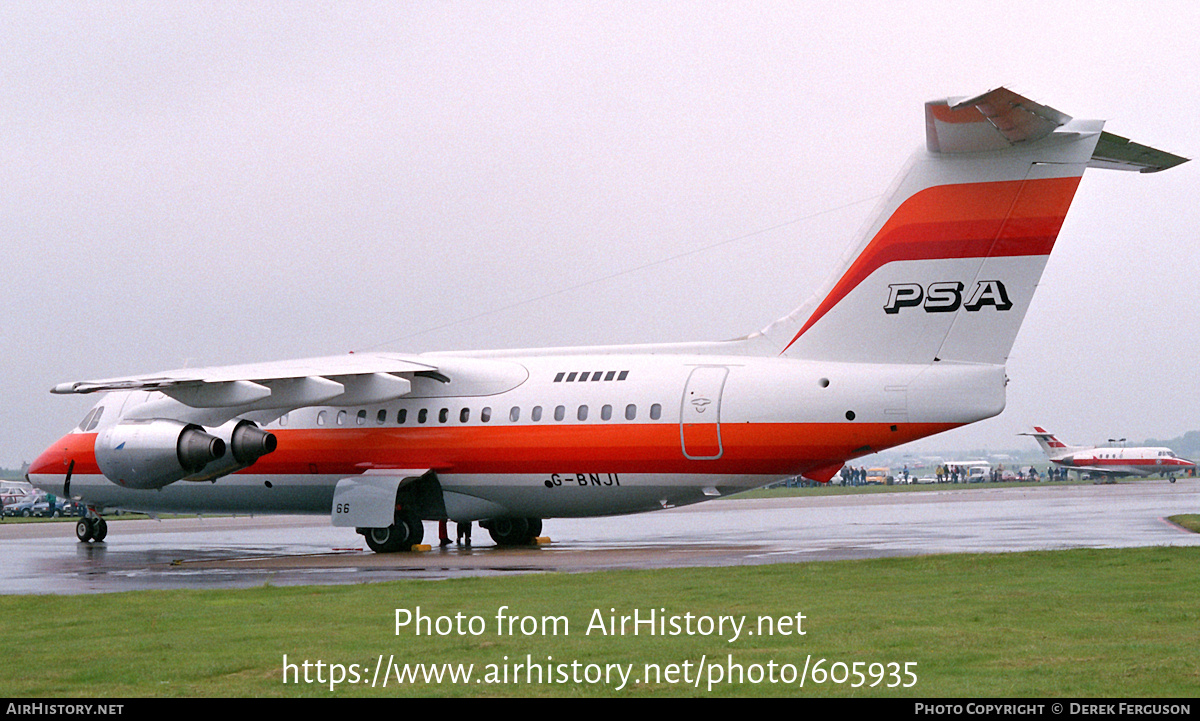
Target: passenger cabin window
422	415
655	412
381	417
485	415
560	412
443	415
341	418
581	414
514	414
536	413
630	412
464	415
401	415
361	417
606	413
321	418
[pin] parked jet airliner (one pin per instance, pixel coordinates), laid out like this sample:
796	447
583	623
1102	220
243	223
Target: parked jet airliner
1109	461
908	338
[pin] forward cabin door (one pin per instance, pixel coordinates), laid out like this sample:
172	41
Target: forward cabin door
700	413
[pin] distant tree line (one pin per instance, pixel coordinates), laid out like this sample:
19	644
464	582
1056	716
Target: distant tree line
1187	445
14	474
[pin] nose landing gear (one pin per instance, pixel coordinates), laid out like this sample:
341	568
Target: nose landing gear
91	528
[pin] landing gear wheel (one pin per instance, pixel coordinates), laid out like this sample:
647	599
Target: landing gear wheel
100	529
514	531
84	530
535	528
402	535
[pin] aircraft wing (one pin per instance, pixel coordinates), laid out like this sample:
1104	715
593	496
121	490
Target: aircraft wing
344	380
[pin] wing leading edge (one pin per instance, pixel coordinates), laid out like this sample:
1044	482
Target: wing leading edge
335	380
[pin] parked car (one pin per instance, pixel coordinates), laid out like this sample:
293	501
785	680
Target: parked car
23	507
46	509
74	508
42	507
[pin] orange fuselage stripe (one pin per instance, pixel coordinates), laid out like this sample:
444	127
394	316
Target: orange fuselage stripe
747	449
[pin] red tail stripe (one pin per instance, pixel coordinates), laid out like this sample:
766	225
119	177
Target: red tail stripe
970	220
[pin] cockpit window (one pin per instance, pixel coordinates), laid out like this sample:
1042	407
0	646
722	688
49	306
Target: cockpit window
92	419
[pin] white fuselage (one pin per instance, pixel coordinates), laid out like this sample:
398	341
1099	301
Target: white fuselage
527	435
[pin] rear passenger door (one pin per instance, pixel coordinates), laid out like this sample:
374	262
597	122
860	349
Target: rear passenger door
700	413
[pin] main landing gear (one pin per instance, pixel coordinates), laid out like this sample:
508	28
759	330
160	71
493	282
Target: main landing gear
406	532
513	531
91	528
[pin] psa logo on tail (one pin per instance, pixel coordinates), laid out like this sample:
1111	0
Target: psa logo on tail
946	297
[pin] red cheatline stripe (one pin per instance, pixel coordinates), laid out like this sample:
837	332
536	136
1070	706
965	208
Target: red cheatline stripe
1140	462
759	448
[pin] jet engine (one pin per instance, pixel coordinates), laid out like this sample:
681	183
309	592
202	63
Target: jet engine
246	443
154	453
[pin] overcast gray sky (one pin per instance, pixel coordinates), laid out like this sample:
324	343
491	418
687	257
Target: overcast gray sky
211	183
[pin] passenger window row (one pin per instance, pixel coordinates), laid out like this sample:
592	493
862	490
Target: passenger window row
422	415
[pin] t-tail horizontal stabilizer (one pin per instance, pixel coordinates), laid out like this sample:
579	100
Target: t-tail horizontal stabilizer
947	268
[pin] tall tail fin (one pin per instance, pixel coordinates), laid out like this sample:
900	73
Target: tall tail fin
1051	446
948	266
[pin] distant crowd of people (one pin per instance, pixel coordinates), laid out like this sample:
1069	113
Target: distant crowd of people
854	476
952	473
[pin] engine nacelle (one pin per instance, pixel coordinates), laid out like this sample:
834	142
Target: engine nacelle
154	453
246	443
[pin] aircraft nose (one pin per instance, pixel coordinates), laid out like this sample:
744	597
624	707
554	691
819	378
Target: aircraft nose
53	460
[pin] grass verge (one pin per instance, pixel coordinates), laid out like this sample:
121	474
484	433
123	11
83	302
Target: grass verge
1082	623
1190	521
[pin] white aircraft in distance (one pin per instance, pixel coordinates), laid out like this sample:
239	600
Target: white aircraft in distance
908	338
1109	461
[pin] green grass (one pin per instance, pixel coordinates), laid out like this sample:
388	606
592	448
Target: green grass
1086	623
1190	521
